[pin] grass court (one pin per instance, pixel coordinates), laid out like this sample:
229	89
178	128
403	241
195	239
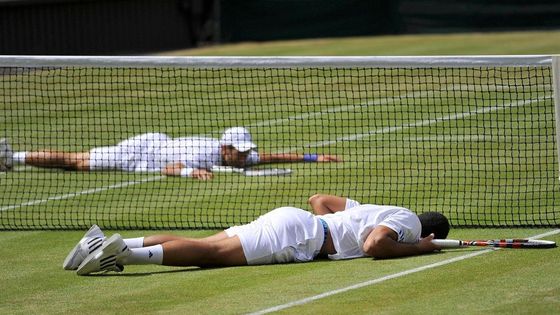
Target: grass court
471	281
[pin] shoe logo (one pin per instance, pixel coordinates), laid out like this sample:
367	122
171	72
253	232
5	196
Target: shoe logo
150	254
94	244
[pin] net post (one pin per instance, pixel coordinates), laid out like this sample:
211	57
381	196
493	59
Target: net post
556	89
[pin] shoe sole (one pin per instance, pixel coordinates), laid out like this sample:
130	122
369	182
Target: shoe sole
69	261
88	266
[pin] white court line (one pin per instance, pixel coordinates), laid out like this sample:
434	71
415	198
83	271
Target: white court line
498	88
311	145
381	101
421	123
386	100
469	138
385	278
85	192
345	108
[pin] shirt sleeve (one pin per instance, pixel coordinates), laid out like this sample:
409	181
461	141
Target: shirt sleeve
350	203
406	224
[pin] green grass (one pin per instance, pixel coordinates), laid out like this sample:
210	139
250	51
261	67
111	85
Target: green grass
416	137
505	43
498	282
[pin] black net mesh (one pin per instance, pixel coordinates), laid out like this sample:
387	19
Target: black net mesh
477	144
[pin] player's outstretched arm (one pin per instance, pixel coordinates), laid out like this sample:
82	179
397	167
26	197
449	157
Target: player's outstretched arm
179	169
325	204
382	243
295	157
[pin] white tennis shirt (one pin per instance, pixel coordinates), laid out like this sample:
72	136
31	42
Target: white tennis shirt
197	152
350	228
150	152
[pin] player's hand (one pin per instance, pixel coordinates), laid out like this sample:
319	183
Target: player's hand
202	174
426	246
328	158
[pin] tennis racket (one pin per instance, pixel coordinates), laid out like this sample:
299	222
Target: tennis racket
252	171
505	243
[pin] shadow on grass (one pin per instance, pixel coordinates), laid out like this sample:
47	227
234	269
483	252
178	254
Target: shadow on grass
143	274
198	269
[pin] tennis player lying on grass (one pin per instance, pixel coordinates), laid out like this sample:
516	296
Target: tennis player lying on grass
156	152
340	229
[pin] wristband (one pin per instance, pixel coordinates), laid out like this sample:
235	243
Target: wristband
187	171
310	157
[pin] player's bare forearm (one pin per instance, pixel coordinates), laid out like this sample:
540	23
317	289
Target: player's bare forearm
325	204
382	243
295	157
177	169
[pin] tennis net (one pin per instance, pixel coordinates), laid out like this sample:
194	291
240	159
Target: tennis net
471	137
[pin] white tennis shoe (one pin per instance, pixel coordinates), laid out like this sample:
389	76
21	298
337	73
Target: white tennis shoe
91	241
6	155
106	257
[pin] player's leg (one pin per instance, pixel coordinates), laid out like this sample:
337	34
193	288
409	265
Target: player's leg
114	254
225	248
196	252
162	238
216	250
77	161
94	238
216	237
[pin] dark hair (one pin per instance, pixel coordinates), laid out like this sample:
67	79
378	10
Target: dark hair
434	222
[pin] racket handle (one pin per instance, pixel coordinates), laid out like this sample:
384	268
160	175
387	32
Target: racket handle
447	243
226	169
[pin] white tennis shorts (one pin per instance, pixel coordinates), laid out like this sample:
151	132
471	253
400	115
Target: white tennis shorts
283	235
137	154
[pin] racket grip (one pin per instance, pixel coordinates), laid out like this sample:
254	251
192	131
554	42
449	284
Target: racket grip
227	169
447	243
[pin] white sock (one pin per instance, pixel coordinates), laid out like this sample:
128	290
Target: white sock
136	242
144	255
19	157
